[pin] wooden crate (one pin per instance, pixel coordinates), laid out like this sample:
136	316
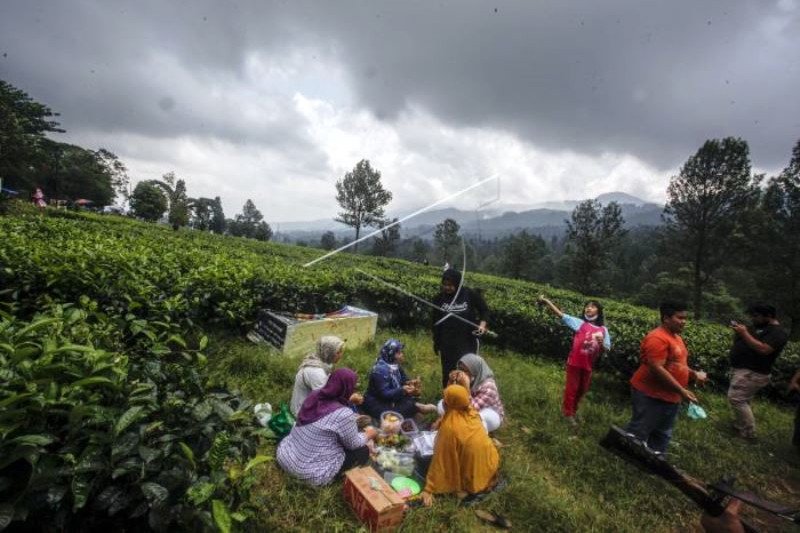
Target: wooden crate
374	502
297	335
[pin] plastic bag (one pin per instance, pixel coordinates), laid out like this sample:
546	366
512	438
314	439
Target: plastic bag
282	422
695	412
263	413
424	442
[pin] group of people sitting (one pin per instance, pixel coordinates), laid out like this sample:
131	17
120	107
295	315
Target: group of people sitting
327	438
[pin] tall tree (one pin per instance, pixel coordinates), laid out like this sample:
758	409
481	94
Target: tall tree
23	125
447	238
148	201
178	201
179	205
522	255
386	243
327	241
593	234
66	171
777	256
116	170
419	250
217	217
202	213
250	223
362	198
704	202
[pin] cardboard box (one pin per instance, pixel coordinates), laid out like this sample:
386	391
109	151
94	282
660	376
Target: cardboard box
374	502
297	335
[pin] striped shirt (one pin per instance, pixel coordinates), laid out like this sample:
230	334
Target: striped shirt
486	395
314	453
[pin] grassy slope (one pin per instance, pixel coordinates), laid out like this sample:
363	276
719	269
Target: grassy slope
557	482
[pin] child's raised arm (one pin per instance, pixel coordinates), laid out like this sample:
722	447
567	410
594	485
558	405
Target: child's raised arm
542	300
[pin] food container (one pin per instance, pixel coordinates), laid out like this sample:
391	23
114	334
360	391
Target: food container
409	428
397	462
391	421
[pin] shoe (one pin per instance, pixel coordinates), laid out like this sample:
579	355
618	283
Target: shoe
570	420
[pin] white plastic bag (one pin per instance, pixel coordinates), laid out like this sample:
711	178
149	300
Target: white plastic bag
263	412
424	442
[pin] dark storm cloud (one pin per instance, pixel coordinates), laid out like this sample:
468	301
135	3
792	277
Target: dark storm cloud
149	70
649	78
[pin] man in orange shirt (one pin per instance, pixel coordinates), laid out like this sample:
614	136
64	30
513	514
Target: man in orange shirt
660	383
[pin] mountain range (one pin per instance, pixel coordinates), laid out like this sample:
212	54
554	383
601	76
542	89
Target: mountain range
545	219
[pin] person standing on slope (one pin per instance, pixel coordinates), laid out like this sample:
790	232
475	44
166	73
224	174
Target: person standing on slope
591	339
454	338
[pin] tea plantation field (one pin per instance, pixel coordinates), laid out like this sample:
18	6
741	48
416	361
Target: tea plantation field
125	390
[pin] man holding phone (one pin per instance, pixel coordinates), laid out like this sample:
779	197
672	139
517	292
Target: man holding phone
753	353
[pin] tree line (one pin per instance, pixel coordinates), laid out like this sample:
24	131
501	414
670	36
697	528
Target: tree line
729	237
30	160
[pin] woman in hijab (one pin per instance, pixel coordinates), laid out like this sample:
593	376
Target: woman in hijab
389	388
452	337
464	457
325	441
475	375
315	369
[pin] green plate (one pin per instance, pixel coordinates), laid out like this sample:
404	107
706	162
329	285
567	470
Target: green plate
399	483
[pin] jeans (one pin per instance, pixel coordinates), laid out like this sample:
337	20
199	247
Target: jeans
652	420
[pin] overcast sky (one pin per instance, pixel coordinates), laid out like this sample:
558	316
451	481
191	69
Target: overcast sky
275	101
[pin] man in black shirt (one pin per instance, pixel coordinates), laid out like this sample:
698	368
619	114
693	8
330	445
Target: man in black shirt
752	355
452	337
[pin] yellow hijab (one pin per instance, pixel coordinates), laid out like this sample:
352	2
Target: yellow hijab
464	458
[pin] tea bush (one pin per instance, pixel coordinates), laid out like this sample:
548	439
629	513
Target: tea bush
91	438
137	268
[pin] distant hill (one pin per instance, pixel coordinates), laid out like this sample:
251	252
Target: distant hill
545	219
621	198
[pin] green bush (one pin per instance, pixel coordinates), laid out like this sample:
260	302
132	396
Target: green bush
91	438
142	269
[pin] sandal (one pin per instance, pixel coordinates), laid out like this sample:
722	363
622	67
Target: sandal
493	518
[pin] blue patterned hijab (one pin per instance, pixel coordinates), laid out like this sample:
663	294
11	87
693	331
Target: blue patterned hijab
389	350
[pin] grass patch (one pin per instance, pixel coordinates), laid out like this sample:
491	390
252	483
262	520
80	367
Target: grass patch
557	481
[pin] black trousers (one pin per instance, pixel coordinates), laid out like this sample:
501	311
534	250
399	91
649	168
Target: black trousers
353	458
450	352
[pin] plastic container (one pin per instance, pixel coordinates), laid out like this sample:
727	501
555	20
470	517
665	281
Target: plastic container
391	421
405	465
399	463
409	428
